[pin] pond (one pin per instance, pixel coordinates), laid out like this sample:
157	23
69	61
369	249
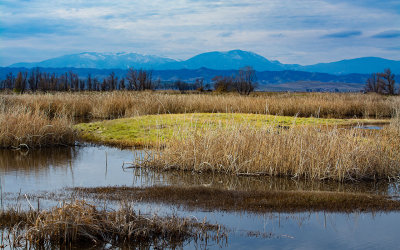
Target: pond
52	170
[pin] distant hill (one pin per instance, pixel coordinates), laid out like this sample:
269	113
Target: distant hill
230	60
234	59
364	65
100	61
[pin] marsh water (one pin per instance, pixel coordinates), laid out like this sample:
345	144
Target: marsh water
52	170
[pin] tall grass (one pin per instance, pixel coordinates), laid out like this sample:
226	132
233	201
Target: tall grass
22	128
304	152
128	104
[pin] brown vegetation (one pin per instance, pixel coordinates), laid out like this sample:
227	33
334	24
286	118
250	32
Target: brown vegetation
254	201
72	224
128	104
22	128
302	152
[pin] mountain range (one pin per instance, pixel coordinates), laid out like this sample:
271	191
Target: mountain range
230	60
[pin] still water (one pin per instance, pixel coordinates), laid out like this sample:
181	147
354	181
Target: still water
54	169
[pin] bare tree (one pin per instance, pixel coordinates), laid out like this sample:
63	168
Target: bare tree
372	84
89	82
381	83
96	84
122	84
245	81
33	80
199	84
131	77
223	83
387	80
20	82
112	81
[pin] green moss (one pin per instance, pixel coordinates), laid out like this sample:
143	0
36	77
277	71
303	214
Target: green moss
152	129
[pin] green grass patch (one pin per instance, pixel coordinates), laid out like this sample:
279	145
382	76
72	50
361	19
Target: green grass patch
150	130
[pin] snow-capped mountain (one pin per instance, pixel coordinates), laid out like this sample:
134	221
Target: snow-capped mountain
230	60
101	61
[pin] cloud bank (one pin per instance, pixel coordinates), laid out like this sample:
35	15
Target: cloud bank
291	31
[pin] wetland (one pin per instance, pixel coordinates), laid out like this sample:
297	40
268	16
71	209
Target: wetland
199	171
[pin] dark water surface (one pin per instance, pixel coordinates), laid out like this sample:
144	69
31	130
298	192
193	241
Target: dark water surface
90	166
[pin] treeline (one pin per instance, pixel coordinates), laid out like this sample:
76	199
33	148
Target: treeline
382	83
36	80
243	82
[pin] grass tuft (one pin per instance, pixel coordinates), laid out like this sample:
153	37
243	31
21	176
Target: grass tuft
79	223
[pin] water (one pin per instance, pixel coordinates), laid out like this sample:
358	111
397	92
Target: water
54	169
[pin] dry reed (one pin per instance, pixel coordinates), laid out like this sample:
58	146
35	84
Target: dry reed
77	223
127	104
21	128
303	152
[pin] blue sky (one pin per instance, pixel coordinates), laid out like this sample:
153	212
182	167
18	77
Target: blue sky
291	31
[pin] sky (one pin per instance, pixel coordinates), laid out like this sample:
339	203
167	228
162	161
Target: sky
291	31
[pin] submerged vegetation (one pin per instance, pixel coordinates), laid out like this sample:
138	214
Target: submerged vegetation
199	197
77	223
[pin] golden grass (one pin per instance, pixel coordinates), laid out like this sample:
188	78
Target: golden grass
260	201
128	104
151	130
306	152
77	223
21	128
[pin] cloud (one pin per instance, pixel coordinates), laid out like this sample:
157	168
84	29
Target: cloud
388	34
343	34
393	48
286	30
225	34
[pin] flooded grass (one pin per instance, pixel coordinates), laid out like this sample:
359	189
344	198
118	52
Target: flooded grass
153	130
77	223
207	198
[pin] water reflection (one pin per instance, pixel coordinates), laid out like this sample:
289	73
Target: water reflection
36	161
233	182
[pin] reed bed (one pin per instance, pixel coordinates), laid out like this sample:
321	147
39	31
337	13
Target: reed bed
24	128
79	223
128	104
299	152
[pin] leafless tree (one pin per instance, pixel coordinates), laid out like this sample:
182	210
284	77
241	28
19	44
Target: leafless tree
20	82
386	79
89	82
381	83
131	77
122	84
245	81
223	83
